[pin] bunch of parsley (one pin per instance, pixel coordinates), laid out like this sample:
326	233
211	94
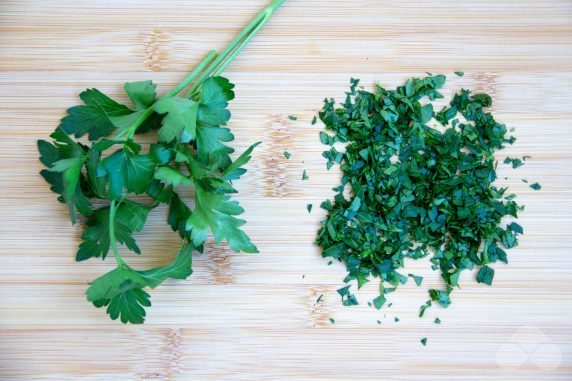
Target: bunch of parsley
415	190
98	178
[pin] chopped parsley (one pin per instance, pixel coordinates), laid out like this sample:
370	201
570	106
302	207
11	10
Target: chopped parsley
514	161
409	190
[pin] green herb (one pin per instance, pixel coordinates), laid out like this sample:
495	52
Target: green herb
536	186
379	322
287	155
486	275
319	298
305	175
410	191
459	73
292	117
418	279
309	207
314	120
330	263
99	180
348	299
396	319
332	320
424	341
379	301
437	321
514	161
424	307
525	181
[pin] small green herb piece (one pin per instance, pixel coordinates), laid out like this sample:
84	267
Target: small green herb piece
418	279
292	117
332	320
305	175
319	298
379	322
100	178
424	307
287	155
536	186
437	321
459	73
486	275
514	161
525	181
379	301
424	341
314	120
396	319
348	299
309	207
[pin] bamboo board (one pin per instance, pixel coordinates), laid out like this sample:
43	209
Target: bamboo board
243	317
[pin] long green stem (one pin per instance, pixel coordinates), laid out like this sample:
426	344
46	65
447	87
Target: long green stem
232	50
191	77
112	210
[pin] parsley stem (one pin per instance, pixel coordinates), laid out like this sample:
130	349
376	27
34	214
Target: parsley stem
240	41
191	77
112	210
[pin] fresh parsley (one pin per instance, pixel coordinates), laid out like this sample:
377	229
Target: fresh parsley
99	180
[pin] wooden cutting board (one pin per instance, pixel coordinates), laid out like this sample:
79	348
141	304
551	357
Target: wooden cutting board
254	317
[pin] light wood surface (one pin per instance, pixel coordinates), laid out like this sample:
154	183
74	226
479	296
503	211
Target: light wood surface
245	317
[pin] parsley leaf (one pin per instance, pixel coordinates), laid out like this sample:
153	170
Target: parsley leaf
64	159
215	212
121	289
180	123
130	217
95	117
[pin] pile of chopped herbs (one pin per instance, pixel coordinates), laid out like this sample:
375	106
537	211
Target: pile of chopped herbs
410	189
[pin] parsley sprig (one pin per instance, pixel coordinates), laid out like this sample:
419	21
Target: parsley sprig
98	179
415	190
